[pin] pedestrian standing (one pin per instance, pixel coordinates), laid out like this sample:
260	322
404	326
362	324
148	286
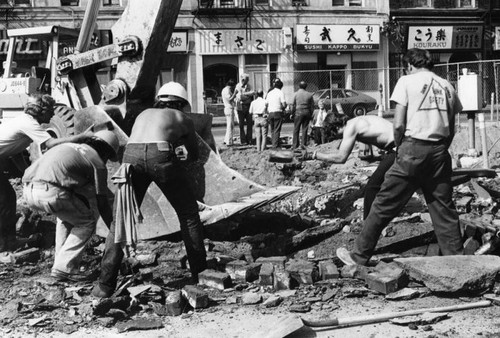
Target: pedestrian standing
243	100
276	104
70	182
258	109
228	96
424	121
302	109
318	123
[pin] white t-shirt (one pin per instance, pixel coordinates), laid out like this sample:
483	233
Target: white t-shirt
258	106
431	103
226	94
275	101
320	118
17	134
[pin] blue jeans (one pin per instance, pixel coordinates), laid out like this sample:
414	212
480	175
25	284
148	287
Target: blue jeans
245	119
419	164
8	216
156	162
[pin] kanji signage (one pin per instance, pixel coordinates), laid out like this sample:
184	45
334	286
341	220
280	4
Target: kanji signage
224	41
337	37
445	37
178	42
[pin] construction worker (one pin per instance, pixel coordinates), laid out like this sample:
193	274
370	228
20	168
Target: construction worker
369	129
424	121
276	105
151	153
244	97
70	182
16	135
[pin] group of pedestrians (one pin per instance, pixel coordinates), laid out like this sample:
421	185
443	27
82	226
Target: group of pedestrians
266	113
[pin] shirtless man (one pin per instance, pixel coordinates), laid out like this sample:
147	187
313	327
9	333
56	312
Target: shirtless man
369	129
151	151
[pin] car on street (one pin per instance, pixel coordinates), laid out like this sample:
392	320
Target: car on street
353	102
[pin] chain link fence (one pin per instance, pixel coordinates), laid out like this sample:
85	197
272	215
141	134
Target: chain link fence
377	83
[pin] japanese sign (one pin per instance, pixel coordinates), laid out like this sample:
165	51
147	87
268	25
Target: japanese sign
258	41
337	37
178	42
445	37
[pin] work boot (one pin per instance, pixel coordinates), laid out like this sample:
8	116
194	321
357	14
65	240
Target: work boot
61	276
99	292
345	256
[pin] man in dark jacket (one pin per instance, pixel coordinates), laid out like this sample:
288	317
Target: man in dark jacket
303	106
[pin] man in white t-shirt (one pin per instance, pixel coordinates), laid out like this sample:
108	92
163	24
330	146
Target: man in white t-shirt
228	96
258	109
276	104
15	136
426	105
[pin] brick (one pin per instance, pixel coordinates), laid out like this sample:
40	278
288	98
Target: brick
174	303
178	260
277	261
266	274
386	278
195	296
328	270
146	259
241	271
282	280
214	279
302	271
354	271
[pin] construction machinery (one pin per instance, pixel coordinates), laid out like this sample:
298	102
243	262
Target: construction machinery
140	36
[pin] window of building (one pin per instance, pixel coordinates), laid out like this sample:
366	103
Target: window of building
261	2
348	3
12	3
365	75
111	2
434	4
69	2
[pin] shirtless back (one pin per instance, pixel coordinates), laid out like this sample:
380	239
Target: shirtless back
170	125
369	129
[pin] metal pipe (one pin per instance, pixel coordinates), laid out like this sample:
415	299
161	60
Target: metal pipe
88	25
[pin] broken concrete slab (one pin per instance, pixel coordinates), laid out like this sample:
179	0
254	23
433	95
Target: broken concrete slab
241	271
273	301
471	274
195	296
214	279
408	293
386	278
251	298
140	324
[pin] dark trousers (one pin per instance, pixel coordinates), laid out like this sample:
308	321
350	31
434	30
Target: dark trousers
418	164
8	217
245	120
153	165
319	135
275	123
375	182
300	124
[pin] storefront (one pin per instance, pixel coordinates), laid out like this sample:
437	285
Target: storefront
227	53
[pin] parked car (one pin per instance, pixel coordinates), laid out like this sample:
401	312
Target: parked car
353	103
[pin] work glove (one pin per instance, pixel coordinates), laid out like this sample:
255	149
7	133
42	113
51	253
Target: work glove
304	155
181	153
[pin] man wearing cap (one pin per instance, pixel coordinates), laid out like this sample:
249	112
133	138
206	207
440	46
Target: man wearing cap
302	109
70	182
244	97
151	152
16	135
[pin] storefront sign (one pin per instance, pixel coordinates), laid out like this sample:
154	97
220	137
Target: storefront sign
445	37
258	41
338	37
27	46
496	46
178	42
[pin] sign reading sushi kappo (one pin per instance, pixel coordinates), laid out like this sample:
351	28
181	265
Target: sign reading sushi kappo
337	37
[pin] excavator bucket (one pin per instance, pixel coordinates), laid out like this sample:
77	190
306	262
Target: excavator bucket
221	191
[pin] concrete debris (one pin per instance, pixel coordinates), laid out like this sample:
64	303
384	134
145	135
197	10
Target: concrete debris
273	301
140	324
251	298
408	293
214	279
386	278
471	274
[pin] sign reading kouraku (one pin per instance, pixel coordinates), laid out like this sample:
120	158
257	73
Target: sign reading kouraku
445	37
337	37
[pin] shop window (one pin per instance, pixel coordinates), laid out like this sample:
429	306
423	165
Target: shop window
108	3
12	3
365	75
434	4
70	2
348	3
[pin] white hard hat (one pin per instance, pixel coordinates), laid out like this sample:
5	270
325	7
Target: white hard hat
110	138
170	89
